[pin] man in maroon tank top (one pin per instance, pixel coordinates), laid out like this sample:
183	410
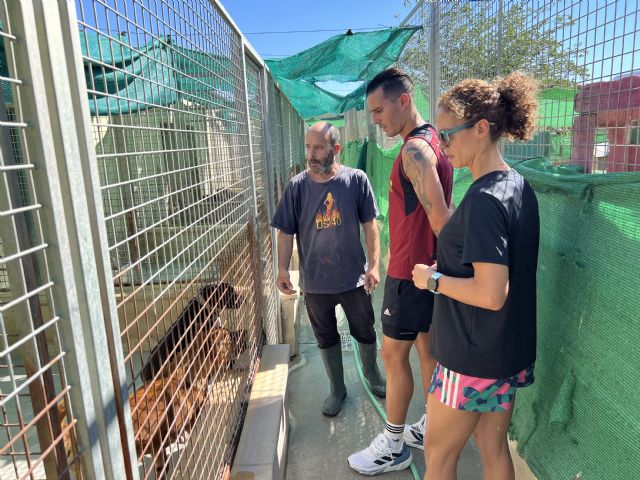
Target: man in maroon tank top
419	199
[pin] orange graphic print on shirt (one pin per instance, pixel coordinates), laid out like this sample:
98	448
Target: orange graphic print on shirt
330	217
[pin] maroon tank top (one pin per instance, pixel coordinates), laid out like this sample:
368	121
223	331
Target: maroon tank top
411	237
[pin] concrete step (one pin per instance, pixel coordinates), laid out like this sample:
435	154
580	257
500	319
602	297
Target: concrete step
262	450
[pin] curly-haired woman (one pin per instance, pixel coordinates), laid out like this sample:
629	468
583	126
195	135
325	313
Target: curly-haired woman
484	322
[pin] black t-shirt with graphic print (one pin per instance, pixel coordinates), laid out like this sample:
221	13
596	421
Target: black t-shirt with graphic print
496	222
326	218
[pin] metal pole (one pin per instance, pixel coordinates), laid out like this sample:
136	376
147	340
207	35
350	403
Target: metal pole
434	59
500	35
267	141
410	14
271	184
251	154
88	262
254	231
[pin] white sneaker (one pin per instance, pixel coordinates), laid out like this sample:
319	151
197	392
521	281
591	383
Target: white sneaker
379	458
414	434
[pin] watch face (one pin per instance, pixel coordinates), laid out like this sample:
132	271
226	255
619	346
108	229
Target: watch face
432	283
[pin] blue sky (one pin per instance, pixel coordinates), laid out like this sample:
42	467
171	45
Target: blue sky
286	15
605	31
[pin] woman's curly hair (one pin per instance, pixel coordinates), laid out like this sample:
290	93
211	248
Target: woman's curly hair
509	104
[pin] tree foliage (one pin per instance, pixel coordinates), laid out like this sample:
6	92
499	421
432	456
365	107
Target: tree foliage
530	41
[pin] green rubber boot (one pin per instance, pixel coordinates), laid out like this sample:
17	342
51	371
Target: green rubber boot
376	382
332	359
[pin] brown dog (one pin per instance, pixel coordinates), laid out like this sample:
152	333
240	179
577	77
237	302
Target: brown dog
204	308
163	409
168	402
69	440
160	410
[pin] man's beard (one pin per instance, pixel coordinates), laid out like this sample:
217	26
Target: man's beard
323	166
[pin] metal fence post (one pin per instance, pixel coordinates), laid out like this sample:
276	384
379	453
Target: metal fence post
500	39
58	24
250	143
434	58
258	263
272	186
111	394
55	112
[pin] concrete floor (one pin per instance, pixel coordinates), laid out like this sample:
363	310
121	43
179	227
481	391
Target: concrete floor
319	446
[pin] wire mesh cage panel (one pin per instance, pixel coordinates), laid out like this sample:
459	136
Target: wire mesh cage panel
293	144
296	141
583	54
182	175
255	90
589	73
277	146
37	428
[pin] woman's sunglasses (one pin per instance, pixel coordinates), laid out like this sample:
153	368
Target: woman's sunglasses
445	135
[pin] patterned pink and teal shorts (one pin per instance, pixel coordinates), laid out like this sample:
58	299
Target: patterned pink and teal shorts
474	394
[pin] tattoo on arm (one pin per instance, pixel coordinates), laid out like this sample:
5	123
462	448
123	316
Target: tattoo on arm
427	205
416	155
420	166
414	168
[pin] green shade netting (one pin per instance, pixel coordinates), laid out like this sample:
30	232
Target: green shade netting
206	78
308	98
342	58
4	72
423	105
556	108
377	164
581	417
125	79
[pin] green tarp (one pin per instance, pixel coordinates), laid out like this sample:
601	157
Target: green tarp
343	58
124	79
377	164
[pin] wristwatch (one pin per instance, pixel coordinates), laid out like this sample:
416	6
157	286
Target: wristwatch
432	282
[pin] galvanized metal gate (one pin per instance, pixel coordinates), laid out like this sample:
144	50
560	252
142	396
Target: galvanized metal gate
144	147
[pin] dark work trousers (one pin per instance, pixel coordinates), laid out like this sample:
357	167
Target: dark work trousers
357	306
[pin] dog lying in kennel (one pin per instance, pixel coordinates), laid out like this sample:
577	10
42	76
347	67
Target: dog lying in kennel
178	371
205	308
163	408
194	350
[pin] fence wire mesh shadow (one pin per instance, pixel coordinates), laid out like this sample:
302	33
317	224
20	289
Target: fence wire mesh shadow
193	144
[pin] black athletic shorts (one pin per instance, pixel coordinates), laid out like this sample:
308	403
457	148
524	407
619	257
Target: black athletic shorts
406	310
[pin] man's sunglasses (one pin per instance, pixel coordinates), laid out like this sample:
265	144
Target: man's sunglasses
445	135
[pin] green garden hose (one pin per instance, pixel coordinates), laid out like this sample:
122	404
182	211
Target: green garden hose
373	399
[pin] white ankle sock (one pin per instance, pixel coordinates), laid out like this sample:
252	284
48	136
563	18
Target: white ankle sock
393	433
